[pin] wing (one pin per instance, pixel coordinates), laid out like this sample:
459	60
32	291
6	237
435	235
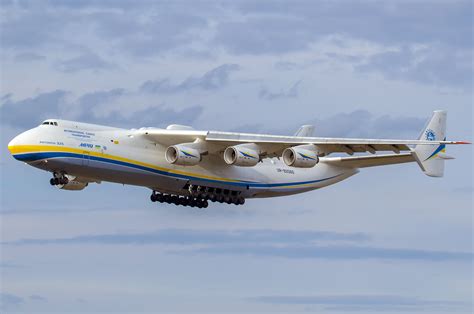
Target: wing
370	161
273	145
171	136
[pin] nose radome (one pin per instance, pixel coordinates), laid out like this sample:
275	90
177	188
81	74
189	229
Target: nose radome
17	141
13	145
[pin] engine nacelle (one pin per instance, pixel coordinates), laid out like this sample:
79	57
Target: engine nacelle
302	156
73	184
182	155
241	155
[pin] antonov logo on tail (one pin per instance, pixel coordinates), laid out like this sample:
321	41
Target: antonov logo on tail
430	135
217	172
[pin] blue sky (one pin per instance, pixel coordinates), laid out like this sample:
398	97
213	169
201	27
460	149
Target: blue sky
388	239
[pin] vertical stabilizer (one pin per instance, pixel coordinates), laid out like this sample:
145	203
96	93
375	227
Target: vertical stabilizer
430	157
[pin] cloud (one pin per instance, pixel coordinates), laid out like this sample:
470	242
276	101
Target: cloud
10	301
152	117
362	123
292	92
356	124
145	30
338	252
36	297
306	21
191	237
28	57
59	104
29	29
367	303
280	29
150	31
212	80
88	61
142	29
261	243
9	265
31	111
285	65
433	64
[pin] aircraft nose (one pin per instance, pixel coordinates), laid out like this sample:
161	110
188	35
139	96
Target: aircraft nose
15	144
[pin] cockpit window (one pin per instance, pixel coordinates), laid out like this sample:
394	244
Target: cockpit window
49	123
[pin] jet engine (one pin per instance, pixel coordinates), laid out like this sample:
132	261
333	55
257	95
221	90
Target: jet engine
243	155
303	156
68	182
182	155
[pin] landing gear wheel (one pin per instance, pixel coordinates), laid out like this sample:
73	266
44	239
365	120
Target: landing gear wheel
174	199
159	198
52	181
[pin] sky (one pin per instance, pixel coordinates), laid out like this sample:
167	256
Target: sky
386	240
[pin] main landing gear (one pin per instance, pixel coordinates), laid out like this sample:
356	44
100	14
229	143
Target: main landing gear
216	194
178	200
200	196
59	179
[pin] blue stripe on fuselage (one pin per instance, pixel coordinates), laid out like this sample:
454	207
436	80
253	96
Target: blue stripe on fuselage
31	157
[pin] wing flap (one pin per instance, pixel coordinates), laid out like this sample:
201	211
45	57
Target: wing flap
370	161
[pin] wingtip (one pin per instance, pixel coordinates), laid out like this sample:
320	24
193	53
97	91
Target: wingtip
464	142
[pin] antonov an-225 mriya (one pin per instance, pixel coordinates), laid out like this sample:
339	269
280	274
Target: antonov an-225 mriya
188	167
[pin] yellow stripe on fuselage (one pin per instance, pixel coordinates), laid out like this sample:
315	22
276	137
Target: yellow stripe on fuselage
24	149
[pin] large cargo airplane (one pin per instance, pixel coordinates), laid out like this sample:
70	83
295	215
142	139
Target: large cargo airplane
188	167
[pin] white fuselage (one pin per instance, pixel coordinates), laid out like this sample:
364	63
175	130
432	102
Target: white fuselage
99	153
